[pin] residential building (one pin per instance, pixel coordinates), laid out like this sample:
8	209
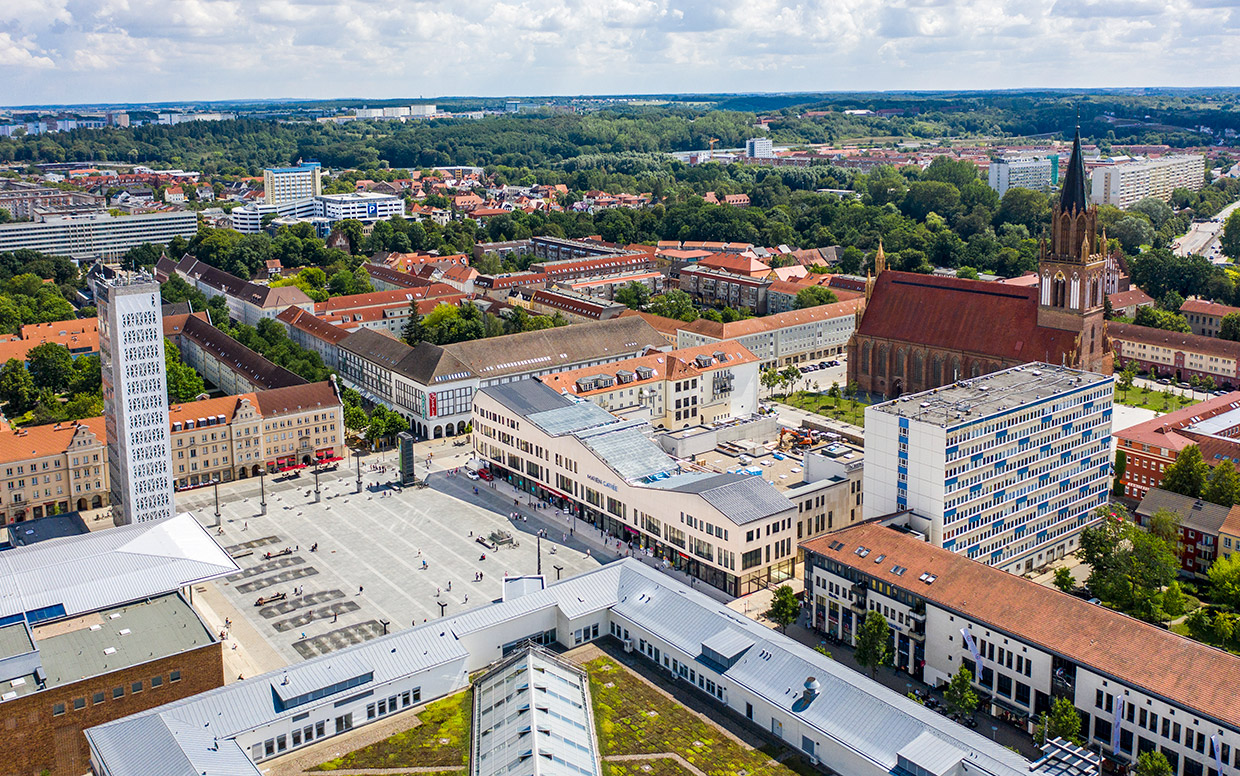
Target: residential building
1127	183
1176	354
248	302
1205	318
722	288
1200	523
677	628
385	310
573	306
1137	687
1150	447
759	148
52	469
26	200
552	249
313	333
98	627
234	437
135	398
1023	172
80	336
680	388
290	184
605	286
777	340
594	265
96	235
433	386
223	361
1229	533
1126	303
1006	468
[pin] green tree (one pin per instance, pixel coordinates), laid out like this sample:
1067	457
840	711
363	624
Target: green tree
1129	566
413	331
873	642
1121	466
814	296
1126	378
16	387
968	273
1230	239
634	296
1153	763
1229	327
1133	232
1064	580
1187	475
1063	721
674	304
1165	524
959	695
833	393
784	608
1223	485
51	366
1029	208
1224	576
1155	209
184	384
770	379
355	418
1173	600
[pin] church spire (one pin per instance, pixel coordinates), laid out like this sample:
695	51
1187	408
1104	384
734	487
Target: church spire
880	259
1072	198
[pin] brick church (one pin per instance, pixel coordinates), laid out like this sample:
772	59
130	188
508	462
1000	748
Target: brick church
920	331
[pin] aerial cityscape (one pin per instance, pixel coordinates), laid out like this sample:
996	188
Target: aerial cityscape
650	390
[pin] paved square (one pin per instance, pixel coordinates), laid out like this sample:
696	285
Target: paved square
367	572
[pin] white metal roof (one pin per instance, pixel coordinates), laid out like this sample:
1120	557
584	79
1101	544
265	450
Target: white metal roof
107	568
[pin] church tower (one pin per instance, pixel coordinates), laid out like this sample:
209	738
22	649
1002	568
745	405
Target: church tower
1072	271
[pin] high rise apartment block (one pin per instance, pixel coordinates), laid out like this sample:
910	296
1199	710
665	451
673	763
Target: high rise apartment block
1024	173
759	148
1006	468
135	398
1126	184
289	184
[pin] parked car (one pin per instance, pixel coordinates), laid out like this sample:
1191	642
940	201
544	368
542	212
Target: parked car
1164	381
486	474
470	473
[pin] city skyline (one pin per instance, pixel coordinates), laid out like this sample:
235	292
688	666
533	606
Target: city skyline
207	49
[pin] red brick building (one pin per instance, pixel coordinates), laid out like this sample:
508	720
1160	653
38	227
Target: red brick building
1152	446
920	332
1200	525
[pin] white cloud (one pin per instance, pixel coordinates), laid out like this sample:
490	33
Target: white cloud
136	50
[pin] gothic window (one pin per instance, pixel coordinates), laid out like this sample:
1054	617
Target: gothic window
976	369
881	366
899	370
919	367
865	358
956	373
937	377
1059	291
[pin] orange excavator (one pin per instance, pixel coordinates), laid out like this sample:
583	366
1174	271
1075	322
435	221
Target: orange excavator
795	438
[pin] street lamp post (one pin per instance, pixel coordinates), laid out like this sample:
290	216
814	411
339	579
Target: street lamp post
442	606
358	455
262	489
538	540
316	483
216	483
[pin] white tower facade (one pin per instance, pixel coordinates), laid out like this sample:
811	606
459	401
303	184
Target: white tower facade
135	399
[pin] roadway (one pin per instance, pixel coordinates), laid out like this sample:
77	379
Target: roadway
1202	238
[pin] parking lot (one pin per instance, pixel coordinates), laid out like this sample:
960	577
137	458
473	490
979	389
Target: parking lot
367	573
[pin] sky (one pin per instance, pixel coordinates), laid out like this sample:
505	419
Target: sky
115	51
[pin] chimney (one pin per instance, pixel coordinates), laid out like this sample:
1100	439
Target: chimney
811	691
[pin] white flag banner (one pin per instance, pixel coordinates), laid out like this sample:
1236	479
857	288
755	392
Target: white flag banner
1218	753
972	645
1115	720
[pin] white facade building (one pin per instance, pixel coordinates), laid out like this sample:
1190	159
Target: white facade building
96	235
784	338
1164	692
1125	184
1006	468
1024	173
289	184
363	206
759	148
135	399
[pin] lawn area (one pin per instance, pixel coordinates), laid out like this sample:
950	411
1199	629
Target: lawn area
631	717
846	410
441	740
1153	400
664	766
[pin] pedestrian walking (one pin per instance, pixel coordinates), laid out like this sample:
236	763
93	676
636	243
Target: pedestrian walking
359	589
449	586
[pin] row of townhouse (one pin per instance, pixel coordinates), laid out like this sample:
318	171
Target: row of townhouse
59	468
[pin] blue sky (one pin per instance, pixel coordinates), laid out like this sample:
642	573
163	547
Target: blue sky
74	51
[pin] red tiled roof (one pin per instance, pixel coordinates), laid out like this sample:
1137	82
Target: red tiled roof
672	365
1186	672
971	316
1175	340
38	441
1125	299
737	265
1161	431
1202	307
